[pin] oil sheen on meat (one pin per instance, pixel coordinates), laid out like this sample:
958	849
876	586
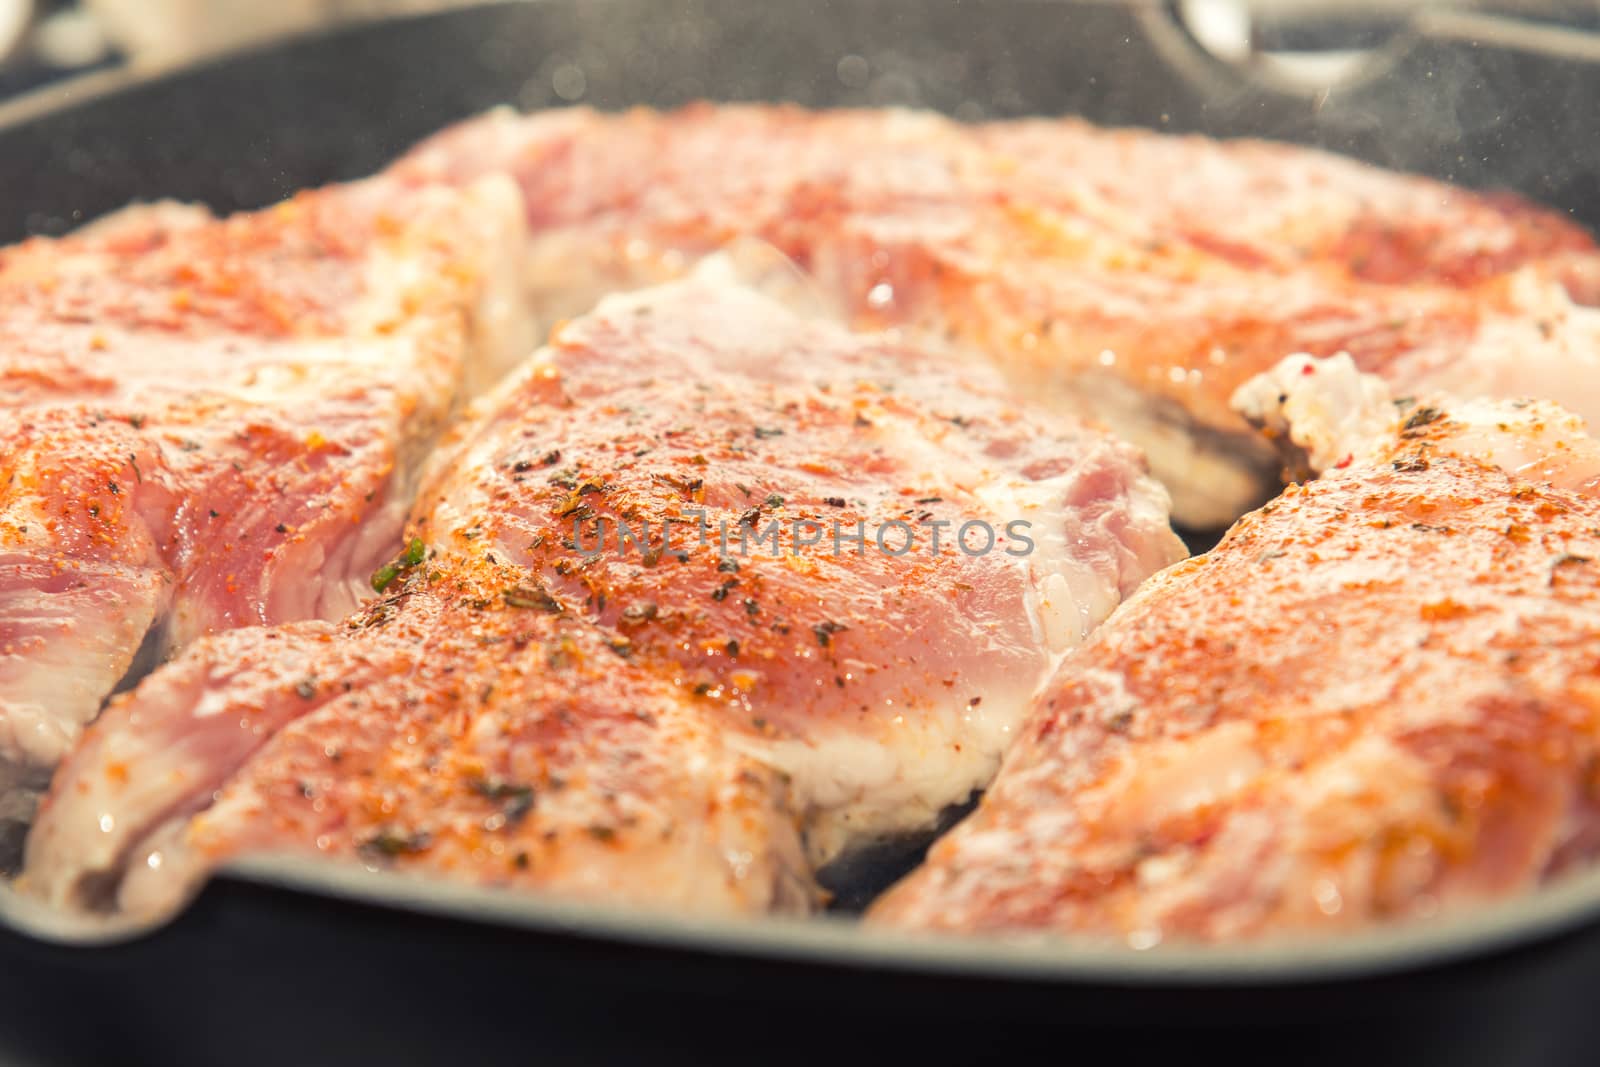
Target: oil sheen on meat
1135	277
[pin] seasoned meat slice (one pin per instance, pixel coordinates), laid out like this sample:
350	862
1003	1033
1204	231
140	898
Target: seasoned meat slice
208	424
1130	276
1374	700
776	666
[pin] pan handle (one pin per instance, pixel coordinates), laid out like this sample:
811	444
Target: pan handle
1312	25
1311	45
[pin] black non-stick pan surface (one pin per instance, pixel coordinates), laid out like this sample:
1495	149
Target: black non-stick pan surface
283	962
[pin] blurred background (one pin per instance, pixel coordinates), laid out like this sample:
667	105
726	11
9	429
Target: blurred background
44	40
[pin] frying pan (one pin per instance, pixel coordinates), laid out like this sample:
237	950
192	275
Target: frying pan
281	960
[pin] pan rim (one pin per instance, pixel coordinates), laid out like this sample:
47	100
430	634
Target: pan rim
1412	946
1407	948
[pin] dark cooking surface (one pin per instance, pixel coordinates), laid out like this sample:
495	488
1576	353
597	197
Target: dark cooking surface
257	973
